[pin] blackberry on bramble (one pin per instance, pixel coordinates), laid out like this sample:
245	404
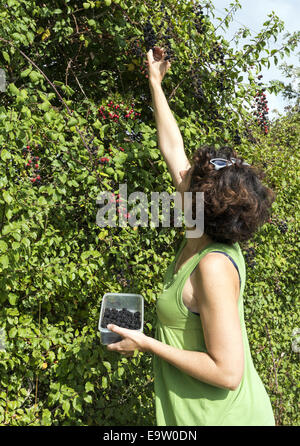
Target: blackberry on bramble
149	36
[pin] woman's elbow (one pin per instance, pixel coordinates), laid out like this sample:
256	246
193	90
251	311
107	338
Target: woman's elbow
233	381
234	385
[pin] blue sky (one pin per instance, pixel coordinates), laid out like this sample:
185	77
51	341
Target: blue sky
253	14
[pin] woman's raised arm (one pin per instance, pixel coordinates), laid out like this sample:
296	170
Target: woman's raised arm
170	141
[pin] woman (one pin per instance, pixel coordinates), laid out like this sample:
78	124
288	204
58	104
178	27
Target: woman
204	373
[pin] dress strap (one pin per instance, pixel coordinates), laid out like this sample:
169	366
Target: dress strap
186	270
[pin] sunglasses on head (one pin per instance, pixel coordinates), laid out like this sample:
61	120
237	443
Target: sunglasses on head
219	163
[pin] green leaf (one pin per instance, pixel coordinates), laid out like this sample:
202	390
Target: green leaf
5	155
12	298
7	197
109	170
66	406
88	399
4	260
6	56
120	371
77	404
16	235
120	173
47	117
26	242
46	344
45	106
72	122
46	417
26	72
12	332
89	387
3	246
41	201
106	364
13	89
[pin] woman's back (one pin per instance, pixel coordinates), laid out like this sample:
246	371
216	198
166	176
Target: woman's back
182	400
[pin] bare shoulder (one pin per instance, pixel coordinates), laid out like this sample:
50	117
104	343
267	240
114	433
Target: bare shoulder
215	276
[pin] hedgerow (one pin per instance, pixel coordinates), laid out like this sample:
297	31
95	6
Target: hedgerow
76	119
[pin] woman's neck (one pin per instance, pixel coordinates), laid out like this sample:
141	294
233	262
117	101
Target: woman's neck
196	244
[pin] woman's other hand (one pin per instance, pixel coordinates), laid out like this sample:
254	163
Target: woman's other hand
157	65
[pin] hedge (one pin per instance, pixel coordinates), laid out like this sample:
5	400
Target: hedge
76	119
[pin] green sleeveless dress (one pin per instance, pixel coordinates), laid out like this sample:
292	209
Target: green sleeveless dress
182	400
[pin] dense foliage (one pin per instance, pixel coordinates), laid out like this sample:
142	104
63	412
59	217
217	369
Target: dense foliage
76	119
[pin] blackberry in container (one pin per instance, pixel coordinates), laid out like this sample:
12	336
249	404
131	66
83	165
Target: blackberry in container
123	309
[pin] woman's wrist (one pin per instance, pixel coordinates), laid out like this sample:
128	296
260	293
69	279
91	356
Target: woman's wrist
154	83
147	344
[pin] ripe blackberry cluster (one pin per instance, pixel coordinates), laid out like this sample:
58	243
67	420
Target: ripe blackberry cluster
216	55
93	149
199	20
122	280
166	38
221	82
237	139
151	40
249	256
106	143
197	84
136	49
134	136
277	288
169	50
123	318
123	275
282	226
162	7
262	110
149	36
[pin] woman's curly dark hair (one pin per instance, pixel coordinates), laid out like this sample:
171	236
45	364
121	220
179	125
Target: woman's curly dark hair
236	203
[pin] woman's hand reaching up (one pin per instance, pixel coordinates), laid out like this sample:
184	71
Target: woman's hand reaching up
157	65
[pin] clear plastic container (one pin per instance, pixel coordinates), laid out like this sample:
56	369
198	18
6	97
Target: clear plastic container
132	302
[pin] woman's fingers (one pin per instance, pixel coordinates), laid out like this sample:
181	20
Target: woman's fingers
150	56
159	53
155	54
